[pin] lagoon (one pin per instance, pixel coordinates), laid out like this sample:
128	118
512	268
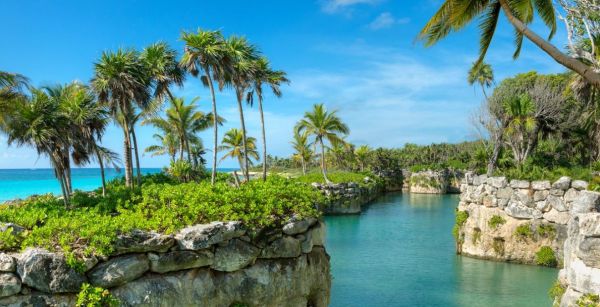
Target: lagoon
400	252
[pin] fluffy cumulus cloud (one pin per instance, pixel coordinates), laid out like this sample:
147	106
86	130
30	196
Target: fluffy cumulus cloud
386	20
334	6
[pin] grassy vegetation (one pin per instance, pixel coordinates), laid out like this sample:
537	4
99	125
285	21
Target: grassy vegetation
495	221
90	296
546	257
460	220
524	232
556	292
336	177
588	300
93	222
546	231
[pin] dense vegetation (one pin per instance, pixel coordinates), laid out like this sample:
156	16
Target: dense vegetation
162	204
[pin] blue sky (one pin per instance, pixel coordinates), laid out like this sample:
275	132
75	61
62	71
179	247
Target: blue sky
356	56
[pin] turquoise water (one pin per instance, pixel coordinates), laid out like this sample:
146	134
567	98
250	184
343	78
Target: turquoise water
400	252
19	183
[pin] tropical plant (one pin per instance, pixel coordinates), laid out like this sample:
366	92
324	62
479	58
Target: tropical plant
162	65
302	148
264	75
362	155
482	74
322	126
233	146
11	85
454	15
205	54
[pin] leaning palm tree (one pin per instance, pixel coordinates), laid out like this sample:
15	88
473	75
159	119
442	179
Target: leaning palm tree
454	15
241	57
302	148
162	66
263	74
120	79
104	157
482	74
322	125
11	85
204	54
233	145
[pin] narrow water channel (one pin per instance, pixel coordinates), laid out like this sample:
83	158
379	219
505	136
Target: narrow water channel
400	252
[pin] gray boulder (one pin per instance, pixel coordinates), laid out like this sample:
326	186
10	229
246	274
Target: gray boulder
589	252
48	272
10	284
589	224
139	241
557	192
579	185
202	236
519	184
540	195
586	202
563	183
119	270
296	227
497	182
286	247
15	229
179	260
571	195
479	180
318	233
541	185
557	203
504	193
520	211
7	263
236	255
557	217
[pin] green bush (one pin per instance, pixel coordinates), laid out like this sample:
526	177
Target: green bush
160	207
545	256
496	221
8	240
460	220
524	231
95	297
341	177
556	292
546	231
588	300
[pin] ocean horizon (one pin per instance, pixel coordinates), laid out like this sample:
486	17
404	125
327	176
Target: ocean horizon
23	182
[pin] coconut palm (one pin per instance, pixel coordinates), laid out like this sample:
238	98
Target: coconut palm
120	80
204	54
105	156
168	145
482	74
362	154
454	15
263	74
233	146
302	148
322	126
11	85
521	123
241	58
162	66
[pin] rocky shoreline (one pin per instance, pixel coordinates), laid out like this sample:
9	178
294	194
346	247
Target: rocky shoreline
216	264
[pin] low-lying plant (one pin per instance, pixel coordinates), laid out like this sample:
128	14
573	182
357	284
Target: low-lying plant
546	231
495	221
556	292
588	300
460	220
546	257
524	232
95	297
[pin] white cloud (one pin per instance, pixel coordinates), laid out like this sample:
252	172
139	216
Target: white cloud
335	6
386	20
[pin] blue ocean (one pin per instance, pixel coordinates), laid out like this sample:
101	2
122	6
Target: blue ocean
20	183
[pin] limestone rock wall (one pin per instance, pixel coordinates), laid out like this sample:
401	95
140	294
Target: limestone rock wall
348	198
217	264
434	182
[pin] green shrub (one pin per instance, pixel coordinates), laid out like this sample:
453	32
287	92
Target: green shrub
588	300
524	232
339	177
545	256
460	220
496	221
8	240
556	292
95	297
546	231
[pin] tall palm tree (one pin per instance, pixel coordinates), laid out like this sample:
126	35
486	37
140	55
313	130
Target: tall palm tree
233	145
454	15
362	154
521	124
168	145
302	148
482	74
11	85
105	156
164	69
263	74
322	125
120	80
241	57
205	54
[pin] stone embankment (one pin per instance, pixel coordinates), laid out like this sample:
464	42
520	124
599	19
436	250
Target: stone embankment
216	264
433	182
349	197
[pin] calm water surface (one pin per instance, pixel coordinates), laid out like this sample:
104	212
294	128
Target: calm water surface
400	252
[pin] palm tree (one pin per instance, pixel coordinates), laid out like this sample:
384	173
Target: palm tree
105	156
205	53
521	124
322	125
303	152
454	15
362	154
263	74
120	79
233	144
241	57
168	145
162	65
482	74
11	85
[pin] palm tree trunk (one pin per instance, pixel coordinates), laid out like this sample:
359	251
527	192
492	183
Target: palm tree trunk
215	126
137	158
101	164
181	148
244	144
303	166
189	152
127	157
264	138
323	166
584	70
495	153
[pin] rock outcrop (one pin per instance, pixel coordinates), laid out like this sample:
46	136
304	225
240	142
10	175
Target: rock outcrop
216	264
434	182
348	198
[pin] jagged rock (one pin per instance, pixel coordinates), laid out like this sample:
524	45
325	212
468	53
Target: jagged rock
89	262
586	202
519	184
7	263
202	236
139	241
557	192
306	242
571	195
296	227
579	185
543	206
318	234
504	193
589	225
540	195
16	229
589	252
479	180
10	284
119	270
48	272
490	201
541	185
38	299
557	203
562	184
236	255
502	203
286	247
497	182
557	217
524	196
179	260
520	211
